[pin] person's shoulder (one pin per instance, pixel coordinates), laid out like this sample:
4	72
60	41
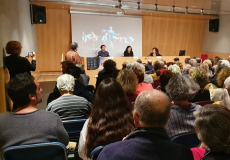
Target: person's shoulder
196	106
47	113
3	116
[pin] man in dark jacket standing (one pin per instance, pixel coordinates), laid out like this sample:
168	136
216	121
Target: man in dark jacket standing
149	141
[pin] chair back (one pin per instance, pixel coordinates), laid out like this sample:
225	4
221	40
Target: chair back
39	151
156	83
189	139
95	153
73	128
203	103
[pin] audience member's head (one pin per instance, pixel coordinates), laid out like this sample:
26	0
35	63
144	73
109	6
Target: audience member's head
225	63
193	62
165	77
186	60
139	60
209	63
65	83
146	67
128	80
175	69
74	46
226	95
216	60
181	88
109	65
149	61
81	66
124	65
163	61
138	66
205	68
129	65
73	71
151	109
24	90
65	65
191	71
198	60
180	65
140	75
223	75
170	63
200	78
111	118
162	64
156	66
212	125
13	48
186	68
176	59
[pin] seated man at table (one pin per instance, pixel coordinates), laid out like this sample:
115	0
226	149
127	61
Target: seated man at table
69	106
27	124
150	140
103	52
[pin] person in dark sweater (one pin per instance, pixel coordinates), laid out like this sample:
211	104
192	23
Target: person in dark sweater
154	53
128	52
27	124
103	52
149	141
15	63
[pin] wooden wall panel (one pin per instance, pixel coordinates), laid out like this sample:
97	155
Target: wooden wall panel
53	38
213	55
170	35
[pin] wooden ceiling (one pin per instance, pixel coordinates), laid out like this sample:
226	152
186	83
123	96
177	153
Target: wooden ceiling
211	8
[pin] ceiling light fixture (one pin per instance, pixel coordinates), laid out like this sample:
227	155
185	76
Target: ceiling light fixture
138	7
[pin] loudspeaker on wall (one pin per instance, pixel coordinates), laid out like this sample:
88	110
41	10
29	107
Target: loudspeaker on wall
213	25
38	14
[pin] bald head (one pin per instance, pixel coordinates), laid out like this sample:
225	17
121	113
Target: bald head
152	108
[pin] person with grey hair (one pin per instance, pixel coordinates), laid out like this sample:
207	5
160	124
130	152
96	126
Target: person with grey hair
175	69
129	65
69	106
149	140
181	89
186	69
193	62
139	66
212	125
72	55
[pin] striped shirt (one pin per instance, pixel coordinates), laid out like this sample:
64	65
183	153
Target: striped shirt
181	120
70	107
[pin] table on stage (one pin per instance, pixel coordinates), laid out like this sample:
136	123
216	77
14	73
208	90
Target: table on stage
121	60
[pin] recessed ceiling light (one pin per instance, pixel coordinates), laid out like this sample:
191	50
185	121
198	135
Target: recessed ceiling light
213	3
194	6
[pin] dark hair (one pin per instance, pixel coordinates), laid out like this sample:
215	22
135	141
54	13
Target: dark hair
212	126
74	71
128	47
140	75
146	67
74	45
170	63
13	47
156	66
110	119
186	60
20	87
198	59
157	50
109	65
217	58
68	63
176	59
102	46
164	78
139	60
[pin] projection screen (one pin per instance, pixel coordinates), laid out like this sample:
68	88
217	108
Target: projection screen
116	32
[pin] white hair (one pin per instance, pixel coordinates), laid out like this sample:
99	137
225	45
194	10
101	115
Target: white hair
65	82
129	65
175	69
138	66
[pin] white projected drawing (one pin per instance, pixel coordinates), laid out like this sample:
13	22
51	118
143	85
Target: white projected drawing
91	31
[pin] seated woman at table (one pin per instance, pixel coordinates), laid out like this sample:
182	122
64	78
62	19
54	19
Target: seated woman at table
154	53
128	52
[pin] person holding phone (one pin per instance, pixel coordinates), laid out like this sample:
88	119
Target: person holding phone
17	64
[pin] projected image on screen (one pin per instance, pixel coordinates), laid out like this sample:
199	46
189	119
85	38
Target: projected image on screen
91	31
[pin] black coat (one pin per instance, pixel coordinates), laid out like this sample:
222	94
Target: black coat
126	54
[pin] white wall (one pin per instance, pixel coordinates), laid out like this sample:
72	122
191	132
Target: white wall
218	42
15	25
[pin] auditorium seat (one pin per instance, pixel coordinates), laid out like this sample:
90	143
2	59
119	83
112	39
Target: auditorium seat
203	103
189	139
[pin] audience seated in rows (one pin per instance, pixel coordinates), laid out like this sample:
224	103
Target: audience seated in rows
79	88
85	77
149	140
139	66
202	79
27	124
128	80
212	127
110	120
69	106
181	89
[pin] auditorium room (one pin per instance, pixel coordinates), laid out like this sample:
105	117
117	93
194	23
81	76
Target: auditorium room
114	79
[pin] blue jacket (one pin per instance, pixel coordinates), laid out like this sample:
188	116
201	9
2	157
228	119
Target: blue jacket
146	144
